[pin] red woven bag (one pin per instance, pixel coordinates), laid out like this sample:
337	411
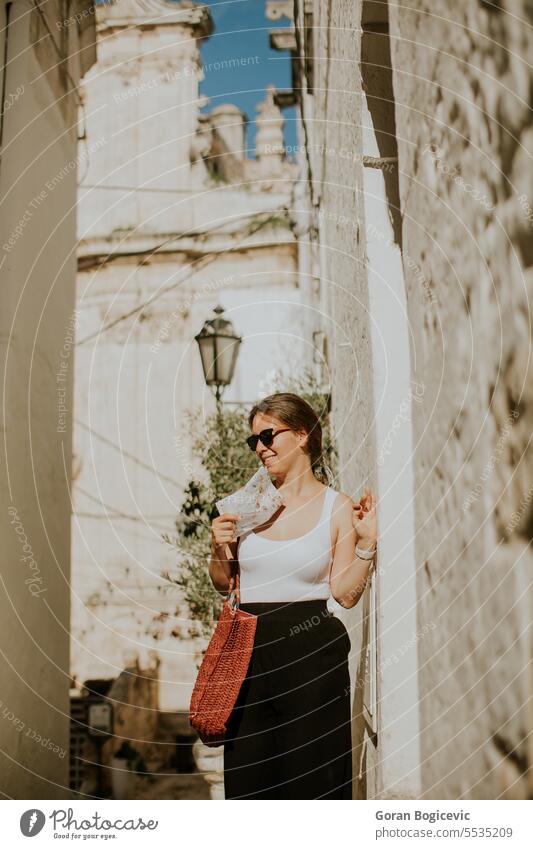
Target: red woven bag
223	668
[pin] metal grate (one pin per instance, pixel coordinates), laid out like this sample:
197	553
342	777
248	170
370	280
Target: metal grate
78	735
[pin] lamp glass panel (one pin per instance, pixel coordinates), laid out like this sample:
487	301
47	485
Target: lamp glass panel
226	351
207	353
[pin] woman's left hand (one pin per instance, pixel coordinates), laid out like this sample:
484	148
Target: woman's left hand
364	518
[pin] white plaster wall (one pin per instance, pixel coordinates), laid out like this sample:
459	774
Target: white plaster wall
142	98
133	386
397	760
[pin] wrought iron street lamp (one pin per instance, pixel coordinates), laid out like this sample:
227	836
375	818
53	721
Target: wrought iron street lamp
219	348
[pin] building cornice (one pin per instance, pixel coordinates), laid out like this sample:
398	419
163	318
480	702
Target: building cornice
93	253
149	14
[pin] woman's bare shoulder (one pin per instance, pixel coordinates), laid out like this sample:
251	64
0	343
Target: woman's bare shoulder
342	500
341	515
341	509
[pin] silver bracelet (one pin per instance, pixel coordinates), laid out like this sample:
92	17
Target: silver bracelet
365	554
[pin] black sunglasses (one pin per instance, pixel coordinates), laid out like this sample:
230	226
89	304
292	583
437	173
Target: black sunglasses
266	437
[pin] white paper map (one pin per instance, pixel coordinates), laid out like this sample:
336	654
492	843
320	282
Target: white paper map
256	502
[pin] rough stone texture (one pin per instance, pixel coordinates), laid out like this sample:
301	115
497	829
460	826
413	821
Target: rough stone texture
465	112
135	700
463	92
337	136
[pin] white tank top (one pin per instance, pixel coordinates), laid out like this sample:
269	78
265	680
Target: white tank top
291	569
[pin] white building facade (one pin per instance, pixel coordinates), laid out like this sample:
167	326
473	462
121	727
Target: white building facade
173	220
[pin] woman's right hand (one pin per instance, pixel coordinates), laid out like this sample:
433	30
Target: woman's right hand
223	529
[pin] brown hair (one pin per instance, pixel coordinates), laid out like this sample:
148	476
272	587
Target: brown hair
297	414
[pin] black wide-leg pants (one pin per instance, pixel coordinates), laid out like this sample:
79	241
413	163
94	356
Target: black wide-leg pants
289	734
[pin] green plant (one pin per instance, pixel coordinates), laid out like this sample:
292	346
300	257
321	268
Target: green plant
220	443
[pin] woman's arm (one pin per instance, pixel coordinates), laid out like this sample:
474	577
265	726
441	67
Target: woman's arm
223	551
221	565
349	573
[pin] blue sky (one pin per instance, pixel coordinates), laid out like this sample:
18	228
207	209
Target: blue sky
241	30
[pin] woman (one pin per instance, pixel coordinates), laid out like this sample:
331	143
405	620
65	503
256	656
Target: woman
289	733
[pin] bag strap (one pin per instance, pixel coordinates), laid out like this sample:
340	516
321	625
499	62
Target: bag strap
234	589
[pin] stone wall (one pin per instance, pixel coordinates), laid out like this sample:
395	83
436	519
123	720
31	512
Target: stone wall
462	90
135	699
465	134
